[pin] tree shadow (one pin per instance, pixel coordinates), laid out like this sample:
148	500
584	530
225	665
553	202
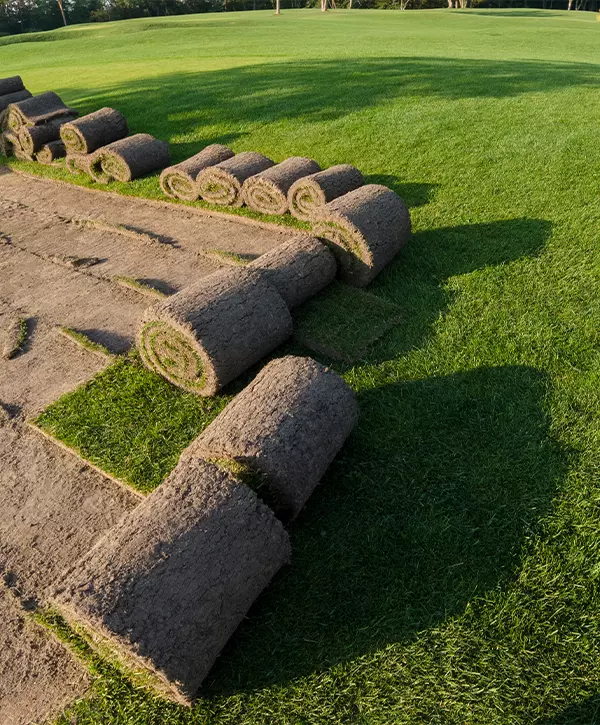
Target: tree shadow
583	713
413	194
426	508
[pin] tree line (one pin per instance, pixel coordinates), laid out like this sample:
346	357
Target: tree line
24	16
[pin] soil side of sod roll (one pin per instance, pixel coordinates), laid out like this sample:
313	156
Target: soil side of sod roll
129	158
222	184
51	152
209	333
267	192
9	98
167	586
312	192
89	133
287	425
298	269
13	84
365	228
37	110
179	181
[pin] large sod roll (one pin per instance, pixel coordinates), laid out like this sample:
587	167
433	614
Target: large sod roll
37	110
32	138
129	158
168	585
287	425
9	98
267	191
51	152
366	229
206	335
297	268
222	184
91	132
14	84
312	192
179	181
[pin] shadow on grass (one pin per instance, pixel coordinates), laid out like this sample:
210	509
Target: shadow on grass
427	508
583	713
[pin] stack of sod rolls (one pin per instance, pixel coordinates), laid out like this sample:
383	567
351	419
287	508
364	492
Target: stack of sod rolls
85	135
287	425
166	588
267	191
128	159
210	332
365	228
310	193
11	91
222	183
179	181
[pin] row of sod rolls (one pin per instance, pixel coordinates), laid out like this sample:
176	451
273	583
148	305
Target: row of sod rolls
166	587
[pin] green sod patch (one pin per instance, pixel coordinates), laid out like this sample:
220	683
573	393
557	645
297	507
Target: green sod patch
343	322
130	422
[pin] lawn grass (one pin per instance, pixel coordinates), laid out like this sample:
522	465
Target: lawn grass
448	570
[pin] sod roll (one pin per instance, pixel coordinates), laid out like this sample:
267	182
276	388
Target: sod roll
129	158
6	146
89	133
15	144
78	163
297	268
206	335
179	181
14	84
312	192
9	98
51	152
222	184
37	110
170	583
366	229
287	425
32	138
267	192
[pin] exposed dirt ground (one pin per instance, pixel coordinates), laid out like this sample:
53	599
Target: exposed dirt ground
62	249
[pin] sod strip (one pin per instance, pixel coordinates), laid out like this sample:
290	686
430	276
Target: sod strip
179	181
13	84
209	333
129	158
366	229
267	191
219	547
15	338
91	132
311	193
222	184
9	98
288	424
37	110
298	268
51	152
32	138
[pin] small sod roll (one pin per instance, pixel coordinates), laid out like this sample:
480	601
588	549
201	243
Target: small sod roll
298	268
6	146
287	425
222	184
166	588
267	192
18	152
13	84
365	229
89	133
51	152
129	158
310	193
179	181
37	110
32	138
209	333
9	98
78	163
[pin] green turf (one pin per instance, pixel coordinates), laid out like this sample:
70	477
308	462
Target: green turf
448	570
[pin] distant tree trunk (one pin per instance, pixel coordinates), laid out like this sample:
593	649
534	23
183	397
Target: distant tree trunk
323	5
62	11
450	4
350	5
570	7
278	7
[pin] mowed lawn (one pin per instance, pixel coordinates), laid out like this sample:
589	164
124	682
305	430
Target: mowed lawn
448	570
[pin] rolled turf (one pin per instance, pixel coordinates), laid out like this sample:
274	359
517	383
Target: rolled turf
78	163
222	184
311	193
13	84
32	138
209	333
129	158
15	144
9	98
89	133
287	425
37	110
267	192
179	181
6	146
366	229
170	583
51	152
298	268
